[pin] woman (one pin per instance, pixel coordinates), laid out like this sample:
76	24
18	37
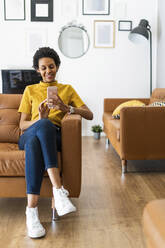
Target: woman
41	139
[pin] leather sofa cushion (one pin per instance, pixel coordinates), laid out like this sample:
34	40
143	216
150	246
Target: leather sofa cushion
12	162
9	118
154	223
111	123
157	95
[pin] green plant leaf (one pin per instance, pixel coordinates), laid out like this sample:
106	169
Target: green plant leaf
96	129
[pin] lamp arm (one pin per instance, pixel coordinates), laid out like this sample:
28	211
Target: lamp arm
150	61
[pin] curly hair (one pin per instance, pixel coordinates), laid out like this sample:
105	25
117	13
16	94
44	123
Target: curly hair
45	52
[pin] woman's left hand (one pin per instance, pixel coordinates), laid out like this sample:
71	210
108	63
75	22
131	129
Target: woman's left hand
43	110
58	104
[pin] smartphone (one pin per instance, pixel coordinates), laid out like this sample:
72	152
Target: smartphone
51	92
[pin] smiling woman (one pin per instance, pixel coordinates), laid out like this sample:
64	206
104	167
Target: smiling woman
48	69
41	139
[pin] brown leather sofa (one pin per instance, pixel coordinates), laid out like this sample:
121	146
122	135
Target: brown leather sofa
12	160
139	134
154	224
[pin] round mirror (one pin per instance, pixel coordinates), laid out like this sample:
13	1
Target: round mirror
73	41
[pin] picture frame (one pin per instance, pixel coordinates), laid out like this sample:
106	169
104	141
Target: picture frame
104	34
14	10
69	8
35	38
124	25
95	7
42	10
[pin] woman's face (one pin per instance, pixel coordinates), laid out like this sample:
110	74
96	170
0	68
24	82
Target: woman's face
48	69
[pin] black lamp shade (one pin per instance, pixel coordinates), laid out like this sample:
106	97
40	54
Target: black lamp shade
140	32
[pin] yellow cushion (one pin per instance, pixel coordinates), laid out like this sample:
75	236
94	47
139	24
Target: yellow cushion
131	103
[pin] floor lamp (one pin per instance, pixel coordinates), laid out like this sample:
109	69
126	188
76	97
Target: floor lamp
139	35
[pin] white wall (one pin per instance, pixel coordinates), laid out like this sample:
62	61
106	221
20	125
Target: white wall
122	71
161	46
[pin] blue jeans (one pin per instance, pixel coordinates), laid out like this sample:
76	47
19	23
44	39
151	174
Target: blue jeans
41	141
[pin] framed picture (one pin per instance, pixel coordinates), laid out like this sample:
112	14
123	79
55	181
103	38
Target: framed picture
41	10
104	34
69	8
124	25
14	10
35	38
96	7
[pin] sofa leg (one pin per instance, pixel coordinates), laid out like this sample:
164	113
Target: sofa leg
54	212
107	142
54	215
124	166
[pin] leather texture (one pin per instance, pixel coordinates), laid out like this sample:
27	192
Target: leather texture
142	133
112	130
9	118
12	160
158	95
154	224
71	153
139	134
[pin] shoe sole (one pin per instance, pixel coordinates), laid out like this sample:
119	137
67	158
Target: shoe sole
34	237
65	213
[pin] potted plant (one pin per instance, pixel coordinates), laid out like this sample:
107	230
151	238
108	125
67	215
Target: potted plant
97	129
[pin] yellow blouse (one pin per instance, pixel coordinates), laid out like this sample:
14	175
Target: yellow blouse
34	94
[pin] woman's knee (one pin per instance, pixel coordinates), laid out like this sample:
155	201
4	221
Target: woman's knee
32	142
33	155
46	125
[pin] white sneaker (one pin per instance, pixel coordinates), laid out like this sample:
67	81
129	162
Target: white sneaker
35	229
62	203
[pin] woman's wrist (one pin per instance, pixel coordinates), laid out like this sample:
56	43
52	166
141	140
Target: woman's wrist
42	117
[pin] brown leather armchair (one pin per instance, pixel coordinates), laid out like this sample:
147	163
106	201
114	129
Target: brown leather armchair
12	160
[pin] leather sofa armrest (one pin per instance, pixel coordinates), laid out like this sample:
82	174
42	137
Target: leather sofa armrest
142	133
111	103
154	223
71	153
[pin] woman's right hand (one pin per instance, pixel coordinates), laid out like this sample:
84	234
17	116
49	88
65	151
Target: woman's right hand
43	110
